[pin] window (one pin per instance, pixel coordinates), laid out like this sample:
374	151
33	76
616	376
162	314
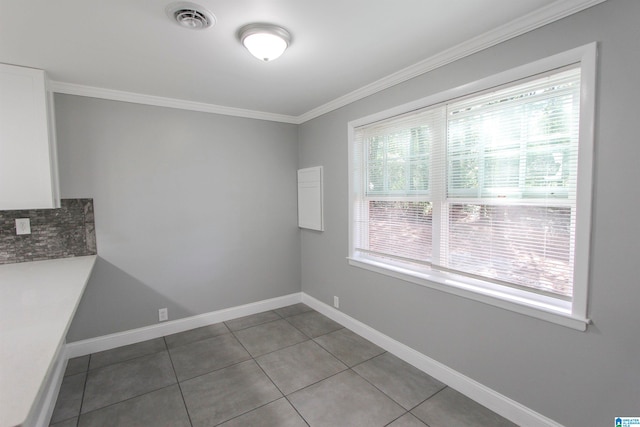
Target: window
484	192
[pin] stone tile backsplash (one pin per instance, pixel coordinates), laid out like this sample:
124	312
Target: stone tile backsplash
55	233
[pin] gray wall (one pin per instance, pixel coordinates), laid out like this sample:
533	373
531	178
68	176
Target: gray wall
194	212
576	378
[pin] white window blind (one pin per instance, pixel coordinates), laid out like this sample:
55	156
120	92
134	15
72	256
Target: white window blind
483	186
393	216
511	184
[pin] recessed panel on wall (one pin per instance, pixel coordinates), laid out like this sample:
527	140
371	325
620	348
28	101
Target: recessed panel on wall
310	211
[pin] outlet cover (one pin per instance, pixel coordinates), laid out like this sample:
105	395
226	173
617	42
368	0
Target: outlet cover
336	302
23	226
163	314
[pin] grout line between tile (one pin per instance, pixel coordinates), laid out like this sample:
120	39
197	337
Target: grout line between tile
297	412
266	375
124	400
84	389
197	340
264	354
257	324
396	419
254	359
211	372
130	359
275	385
398	403
414	407
437	392
319	381
376	387
249	411
175	374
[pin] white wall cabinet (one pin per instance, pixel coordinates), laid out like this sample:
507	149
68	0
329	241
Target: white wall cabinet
28	163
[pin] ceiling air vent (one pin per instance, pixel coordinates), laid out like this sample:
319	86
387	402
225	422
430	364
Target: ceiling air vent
190	15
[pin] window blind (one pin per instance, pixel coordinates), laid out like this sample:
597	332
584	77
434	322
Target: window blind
484	186
393	216
511	184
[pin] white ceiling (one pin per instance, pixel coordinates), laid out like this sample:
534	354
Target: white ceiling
339	47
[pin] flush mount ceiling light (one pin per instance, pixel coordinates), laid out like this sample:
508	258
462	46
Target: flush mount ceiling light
264	41
190	15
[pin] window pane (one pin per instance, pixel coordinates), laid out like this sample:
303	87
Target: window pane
401	229
376	149
502	172
463	174
375	172
523	139
419	179
397	162
548	167
396	175
500	167
419	145
525	245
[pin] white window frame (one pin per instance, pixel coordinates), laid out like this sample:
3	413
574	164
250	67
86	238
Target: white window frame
572	314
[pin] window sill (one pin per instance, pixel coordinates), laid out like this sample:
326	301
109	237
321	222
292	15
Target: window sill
518	301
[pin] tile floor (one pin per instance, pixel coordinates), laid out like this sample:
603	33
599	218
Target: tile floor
288	367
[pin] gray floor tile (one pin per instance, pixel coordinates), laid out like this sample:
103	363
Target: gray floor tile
314	324
399	380
345	400
224	394
124	380
349	347
127	352
136	385
292	310
276	414
163	407
200	357
298	366
262	339
77	365
451	408
73	422
407	420
252	320
196	334
69	398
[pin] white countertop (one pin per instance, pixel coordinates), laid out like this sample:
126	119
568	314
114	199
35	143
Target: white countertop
37	303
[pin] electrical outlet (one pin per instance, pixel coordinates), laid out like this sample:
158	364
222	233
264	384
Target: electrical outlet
163	314
336	302
23	226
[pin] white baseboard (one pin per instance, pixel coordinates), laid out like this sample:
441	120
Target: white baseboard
487	397
43	407
107	342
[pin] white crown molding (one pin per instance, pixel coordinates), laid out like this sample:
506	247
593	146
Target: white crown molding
138	98
543	16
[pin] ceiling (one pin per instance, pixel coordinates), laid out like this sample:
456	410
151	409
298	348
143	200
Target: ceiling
339	49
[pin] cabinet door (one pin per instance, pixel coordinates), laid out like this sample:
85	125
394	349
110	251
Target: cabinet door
28	175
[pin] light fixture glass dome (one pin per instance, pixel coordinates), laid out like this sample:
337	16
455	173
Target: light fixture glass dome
265	42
